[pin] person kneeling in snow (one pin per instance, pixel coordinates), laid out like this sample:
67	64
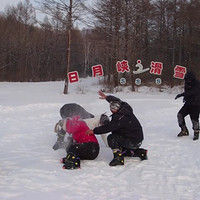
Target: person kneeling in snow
126	132
82	145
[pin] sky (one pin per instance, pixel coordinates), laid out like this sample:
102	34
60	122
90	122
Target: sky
40	16
4	3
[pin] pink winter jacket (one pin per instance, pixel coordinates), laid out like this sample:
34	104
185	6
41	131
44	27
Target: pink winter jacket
78	129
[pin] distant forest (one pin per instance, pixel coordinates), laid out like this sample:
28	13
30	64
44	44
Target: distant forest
166	31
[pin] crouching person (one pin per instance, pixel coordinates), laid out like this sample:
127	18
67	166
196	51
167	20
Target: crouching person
66	111
126	132
82	145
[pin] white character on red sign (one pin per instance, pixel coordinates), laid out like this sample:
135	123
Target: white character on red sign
122	66
73	76
156	68
179	72
97	70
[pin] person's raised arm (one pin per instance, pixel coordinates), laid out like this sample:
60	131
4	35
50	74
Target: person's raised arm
102	95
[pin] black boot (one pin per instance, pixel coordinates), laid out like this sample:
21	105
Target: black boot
128	152
71	161
118	158
184	132
196	135
63	160
141	153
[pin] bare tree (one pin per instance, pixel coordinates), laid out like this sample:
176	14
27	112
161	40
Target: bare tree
24	17
71	11
108	26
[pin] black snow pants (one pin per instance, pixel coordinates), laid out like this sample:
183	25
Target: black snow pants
117	142
85	151
193	112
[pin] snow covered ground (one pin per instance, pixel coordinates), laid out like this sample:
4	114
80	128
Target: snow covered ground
30	168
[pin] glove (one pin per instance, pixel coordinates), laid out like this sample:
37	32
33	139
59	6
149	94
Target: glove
178	96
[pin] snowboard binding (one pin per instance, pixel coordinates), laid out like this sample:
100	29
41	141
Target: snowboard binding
71	161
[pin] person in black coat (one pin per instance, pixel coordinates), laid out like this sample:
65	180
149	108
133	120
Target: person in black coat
191	105
126	131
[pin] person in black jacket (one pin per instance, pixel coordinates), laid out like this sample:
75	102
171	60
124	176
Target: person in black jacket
126	131
191	106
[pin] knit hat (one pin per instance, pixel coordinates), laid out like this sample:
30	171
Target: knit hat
115	105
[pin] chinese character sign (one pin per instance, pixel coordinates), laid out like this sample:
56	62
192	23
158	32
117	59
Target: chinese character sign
140	68
122	66
179	72
97	70
156	68
73	77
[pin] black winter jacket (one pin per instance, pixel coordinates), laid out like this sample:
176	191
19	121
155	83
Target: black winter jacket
123	123
192	90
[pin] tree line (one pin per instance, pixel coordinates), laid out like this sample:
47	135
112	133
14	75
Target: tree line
163	30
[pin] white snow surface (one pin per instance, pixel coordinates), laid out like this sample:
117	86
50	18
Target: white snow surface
30	168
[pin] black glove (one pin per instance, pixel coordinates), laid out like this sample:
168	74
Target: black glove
178	96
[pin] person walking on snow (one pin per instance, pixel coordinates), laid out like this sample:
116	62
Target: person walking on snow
191	98
126	132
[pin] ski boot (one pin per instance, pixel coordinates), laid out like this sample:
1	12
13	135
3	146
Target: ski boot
141	153
128	152
118	158
71	161
196	135
184	132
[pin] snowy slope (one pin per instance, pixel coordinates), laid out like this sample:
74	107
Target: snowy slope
30	168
